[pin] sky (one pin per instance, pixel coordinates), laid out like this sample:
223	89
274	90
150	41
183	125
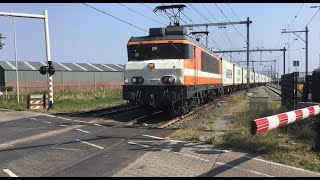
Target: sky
81	34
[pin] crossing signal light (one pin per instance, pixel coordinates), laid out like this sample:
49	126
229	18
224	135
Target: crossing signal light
51	71
44	70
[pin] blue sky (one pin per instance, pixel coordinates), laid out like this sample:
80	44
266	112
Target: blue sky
81	34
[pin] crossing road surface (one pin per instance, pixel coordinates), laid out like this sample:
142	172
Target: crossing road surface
35	144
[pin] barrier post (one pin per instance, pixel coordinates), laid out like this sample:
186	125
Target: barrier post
44	101
316	148
28	101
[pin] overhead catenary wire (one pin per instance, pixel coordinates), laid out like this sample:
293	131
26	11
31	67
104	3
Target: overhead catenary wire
153	9
230	22
290	23
141	14
218	46
114	17
295	16
312	17
210	12
190	21
234	12
210	22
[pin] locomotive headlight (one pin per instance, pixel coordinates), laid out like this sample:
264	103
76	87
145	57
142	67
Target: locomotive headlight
168	79
152	65
140	80
137	80
171	79
134	80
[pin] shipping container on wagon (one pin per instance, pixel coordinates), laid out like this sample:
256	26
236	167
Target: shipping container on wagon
256	77
227	73
260	78
237	78
251	74
263	78
244	76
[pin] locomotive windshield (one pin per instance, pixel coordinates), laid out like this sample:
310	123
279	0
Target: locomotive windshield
159	51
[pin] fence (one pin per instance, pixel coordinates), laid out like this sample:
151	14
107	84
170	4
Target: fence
43	86
289	90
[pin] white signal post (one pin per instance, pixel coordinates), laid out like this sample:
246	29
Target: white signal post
46	28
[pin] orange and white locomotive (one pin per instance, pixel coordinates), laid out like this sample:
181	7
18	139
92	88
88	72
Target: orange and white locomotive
169	70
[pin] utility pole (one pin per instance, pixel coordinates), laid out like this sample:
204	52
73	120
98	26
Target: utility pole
319	8
306	42
307	50
284	61
271	74
16	59
275	70
248	72
207	37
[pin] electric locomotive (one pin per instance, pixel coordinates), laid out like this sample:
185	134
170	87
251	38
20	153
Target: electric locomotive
167	69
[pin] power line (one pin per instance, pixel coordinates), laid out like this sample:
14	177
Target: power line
228	37
218	46
279	40
140	13
198	12
114	17
194	8
313	17
211	22
291	22
234	12
153	9
295	16
291	44
230	22
210	12
217	21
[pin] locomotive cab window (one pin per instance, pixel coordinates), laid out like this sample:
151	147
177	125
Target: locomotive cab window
159	51
209	63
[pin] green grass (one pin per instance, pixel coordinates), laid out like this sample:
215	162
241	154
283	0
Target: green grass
72	105
12	105
287	145
204	131
69	100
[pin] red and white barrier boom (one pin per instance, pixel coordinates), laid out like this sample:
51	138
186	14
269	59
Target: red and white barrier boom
279	120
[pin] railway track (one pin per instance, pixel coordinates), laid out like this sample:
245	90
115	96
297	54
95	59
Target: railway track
105	111
194	112
274	89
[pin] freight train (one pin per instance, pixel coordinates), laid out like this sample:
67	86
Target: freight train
170	70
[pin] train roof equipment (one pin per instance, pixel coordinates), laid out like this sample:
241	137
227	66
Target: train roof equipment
173	16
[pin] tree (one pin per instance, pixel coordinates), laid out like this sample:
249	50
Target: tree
1	44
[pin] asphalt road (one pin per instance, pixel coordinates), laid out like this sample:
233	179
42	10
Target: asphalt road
42	145
51	146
